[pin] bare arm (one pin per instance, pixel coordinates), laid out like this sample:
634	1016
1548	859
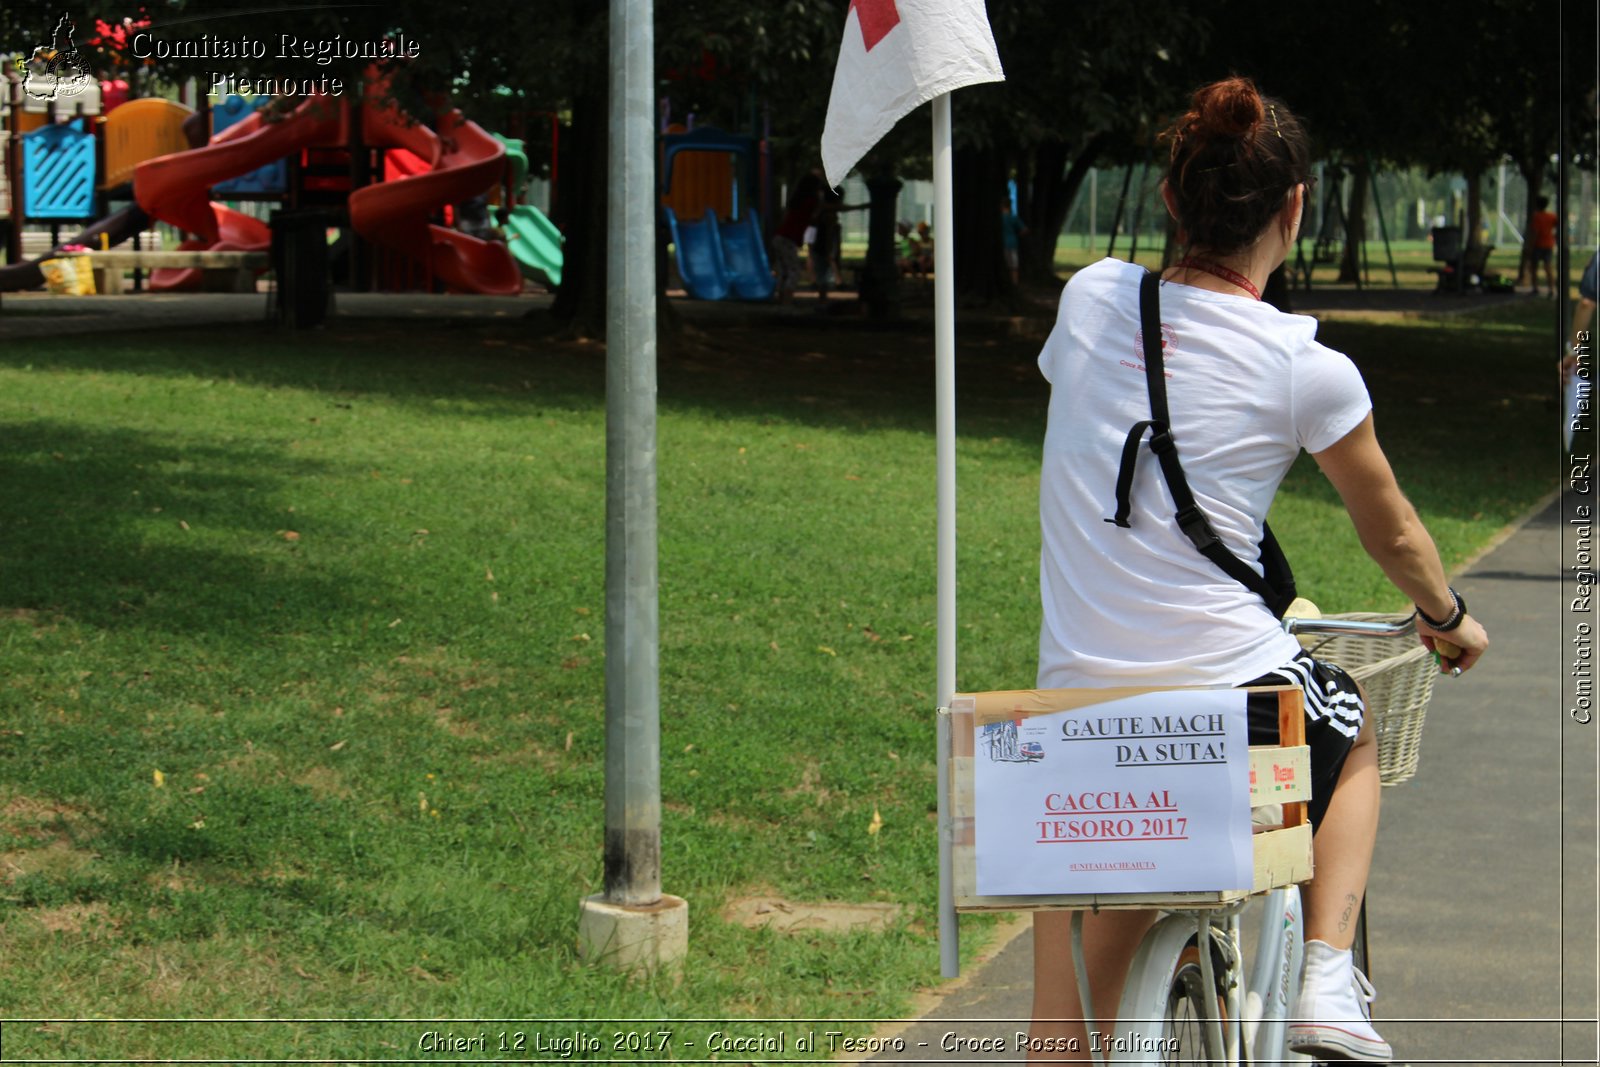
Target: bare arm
1394	536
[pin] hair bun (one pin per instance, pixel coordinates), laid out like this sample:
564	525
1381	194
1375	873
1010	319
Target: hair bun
1231	167
1230	108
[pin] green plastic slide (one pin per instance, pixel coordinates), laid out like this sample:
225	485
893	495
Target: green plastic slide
534	240
535	244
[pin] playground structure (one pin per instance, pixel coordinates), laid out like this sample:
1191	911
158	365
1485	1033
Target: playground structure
51	158
386	179
318	156
719	244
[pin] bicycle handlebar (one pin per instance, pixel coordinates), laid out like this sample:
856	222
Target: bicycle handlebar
1371	628
1363	628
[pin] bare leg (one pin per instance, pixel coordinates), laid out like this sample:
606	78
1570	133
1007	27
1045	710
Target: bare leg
1342	848
1110	939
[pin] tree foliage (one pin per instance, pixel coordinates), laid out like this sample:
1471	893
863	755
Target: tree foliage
1444	84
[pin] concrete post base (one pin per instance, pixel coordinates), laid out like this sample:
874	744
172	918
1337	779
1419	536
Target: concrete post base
639	940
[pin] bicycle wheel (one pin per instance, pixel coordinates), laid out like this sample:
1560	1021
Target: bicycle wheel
1186	1038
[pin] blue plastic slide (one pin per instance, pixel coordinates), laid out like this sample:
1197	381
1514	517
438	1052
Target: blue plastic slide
699	254
745	256
717	259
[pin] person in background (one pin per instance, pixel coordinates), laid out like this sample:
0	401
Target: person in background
912	260
825	244
473	218
1542	238
1012	231
784	248
924	248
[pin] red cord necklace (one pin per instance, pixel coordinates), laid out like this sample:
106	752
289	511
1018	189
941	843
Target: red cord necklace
1233	277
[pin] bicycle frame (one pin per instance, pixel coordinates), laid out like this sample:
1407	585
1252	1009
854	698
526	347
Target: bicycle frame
1274	976
1255	1004
1254	1019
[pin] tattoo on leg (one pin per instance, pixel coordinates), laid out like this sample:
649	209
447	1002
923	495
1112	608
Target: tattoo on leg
1350	902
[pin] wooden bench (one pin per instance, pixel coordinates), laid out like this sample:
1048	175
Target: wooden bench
225	271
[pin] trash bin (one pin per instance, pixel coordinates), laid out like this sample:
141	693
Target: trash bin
300	262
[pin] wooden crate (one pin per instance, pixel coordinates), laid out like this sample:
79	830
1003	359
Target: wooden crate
1282	847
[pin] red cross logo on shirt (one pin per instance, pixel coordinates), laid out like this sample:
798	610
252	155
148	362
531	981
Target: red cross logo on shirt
877	18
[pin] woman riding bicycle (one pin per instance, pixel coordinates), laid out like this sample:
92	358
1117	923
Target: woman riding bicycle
1136	603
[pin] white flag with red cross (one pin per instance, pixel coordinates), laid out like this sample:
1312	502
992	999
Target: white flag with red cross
897	55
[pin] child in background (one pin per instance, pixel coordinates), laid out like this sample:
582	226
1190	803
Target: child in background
1542	238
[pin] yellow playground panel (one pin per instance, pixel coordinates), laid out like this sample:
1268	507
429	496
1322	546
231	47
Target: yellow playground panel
701	180
140	130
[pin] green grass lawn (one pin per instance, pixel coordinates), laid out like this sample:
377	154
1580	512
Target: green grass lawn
302	671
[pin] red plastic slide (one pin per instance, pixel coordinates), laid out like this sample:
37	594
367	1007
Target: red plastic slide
465	161
177	188
462	161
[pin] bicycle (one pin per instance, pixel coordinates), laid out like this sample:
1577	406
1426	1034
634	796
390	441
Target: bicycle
1189	998
1211	1008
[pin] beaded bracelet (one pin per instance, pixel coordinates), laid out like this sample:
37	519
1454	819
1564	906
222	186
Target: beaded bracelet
1455	618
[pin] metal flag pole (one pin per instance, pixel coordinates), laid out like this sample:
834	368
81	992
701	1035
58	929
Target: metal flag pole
944	355
633	788
632	925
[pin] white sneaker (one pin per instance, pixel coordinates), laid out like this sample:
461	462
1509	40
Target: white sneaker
1335	1022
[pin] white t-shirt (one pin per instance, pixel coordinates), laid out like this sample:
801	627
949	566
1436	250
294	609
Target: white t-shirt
1248	387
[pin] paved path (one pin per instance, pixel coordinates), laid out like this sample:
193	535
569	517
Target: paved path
1483	895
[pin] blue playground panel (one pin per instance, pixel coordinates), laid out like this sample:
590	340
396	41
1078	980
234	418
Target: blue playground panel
269	180
58	173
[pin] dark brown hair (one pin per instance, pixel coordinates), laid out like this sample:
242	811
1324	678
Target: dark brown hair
1235	155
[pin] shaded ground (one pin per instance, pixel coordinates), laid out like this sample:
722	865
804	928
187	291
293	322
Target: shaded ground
804	361
33	314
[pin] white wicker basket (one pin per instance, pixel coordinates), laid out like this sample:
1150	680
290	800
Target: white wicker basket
1397	674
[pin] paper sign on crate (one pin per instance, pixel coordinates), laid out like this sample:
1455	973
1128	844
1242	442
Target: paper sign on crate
1150	793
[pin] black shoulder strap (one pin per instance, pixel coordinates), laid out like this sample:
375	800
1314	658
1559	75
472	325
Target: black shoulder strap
1191	520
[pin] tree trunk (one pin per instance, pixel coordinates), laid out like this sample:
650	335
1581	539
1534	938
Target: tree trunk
980	185
1474	226
1038	250
1532	171
581	299
880	280
1277	291
1053	199
1355	224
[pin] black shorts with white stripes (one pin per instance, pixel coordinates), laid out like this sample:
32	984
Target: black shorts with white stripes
1334	712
